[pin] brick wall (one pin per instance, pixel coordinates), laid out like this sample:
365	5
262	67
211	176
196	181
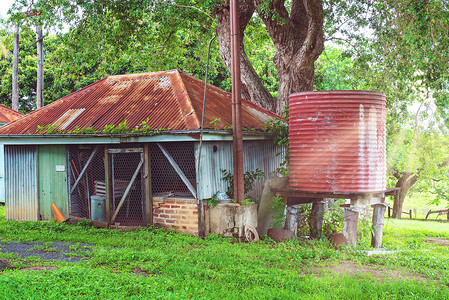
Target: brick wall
176	213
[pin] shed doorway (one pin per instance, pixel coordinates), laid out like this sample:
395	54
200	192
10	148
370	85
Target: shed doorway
127	178
91	167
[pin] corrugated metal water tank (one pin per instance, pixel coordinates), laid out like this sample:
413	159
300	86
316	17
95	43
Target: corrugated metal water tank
337	141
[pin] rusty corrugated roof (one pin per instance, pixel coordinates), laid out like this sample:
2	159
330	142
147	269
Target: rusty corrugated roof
168	99
8	114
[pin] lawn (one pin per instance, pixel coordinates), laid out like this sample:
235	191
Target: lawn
156	263
419	203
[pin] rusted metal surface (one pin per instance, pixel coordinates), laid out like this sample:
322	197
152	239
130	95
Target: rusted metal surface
337	141
8	115
170	100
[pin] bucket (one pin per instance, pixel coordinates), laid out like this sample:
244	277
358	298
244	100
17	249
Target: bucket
97	208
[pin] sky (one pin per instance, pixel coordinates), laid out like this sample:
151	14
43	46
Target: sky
4	6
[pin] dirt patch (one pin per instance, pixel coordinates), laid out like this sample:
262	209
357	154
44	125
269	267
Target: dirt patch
70	252
138	271
38	268
439	242
378	272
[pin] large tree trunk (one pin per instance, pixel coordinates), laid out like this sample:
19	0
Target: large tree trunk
252	88
298	38
405	181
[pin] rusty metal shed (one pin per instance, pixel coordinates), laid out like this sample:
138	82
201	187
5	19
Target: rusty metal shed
73	149
7	115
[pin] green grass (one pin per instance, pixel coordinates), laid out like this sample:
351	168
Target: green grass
419	204
179	266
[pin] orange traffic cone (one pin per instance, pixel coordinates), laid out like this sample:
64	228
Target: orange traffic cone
58	215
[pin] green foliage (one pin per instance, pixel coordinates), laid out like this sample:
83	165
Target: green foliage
215	123
249	180
279	127
333	218
121	128
422	152
278	208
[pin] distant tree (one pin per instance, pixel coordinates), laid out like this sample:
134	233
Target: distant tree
419	157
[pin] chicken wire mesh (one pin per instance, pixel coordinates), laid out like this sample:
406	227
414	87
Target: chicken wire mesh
80	192
127	187
88	191
165	179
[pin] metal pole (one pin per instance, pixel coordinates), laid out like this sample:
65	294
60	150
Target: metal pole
239	193
40	68
15	72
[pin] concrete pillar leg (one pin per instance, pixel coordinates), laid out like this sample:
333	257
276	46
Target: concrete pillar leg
316	219
378	224
292	218
350	225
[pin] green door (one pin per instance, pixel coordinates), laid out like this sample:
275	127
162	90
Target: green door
52	180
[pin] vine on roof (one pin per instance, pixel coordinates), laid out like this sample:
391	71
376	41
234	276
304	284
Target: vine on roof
142	129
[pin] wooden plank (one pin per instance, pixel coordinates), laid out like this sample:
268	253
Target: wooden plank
52	182
148	199
391	191
125	150
289	192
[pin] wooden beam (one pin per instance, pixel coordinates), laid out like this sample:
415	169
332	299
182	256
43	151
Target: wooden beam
316	219
108	183
148	198
84	168
350	221
378	224
301	200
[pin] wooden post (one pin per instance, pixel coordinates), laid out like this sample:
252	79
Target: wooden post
292	218
201	218
40	68
410	214
15	72
148	190
378	224
108	182
316	219
350	221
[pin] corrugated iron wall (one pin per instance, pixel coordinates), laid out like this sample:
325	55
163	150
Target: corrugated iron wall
217	156
21	190
2	173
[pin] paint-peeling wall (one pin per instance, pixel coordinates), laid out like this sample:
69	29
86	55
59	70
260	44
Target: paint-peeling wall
217	156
